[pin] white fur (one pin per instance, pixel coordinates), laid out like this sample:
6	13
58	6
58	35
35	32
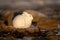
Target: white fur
22	21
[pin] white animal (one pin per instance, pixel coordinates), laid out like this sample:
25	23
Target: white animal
22	21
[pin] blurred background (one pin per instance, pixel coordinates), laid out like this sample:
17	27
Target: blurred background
50	8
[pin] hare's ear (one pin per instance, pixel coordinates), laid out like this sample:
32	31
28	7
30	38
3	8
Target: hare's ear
25	13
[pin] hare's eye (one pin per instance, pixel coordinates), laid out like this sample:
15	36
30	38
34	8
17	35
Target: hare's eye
30	15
